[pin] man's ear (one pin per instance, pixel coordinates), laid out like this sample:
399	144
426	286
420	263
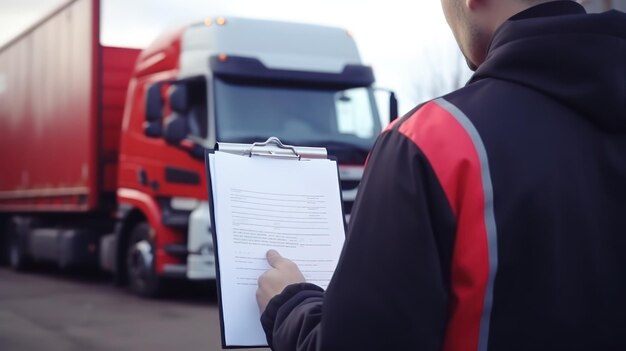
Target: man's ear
475	4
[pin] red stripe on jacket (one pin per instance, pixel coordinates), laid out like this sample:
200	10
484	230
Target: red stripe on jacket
453	156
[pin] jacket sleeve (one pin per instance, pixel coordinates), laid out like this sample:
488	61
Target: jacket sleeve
390	289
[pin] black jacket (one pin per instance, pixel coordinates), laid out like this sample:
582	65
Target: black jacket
493	218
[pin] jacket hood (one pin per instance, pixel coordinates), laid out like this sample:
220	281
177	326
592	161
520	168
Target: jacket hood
576	58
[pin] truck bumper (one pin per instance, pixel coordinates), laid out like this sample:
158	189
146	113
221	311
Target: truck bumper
200	267
201	252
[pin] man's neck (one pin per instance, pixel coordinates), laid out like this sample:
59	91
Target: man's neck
508	10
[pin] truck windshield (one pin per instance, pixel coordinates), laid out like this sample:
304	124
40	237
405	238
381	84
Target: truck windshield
335	118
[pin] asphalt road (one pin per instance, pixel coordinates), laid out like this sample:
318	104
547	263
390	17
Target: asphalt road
54	311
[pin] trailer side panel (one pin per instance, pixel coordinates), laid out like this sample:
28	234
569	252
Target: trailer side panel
49	114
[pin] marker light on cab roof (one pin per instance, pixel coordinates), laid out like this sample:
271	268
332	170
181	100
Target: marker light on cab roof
221	21
208	21
222	57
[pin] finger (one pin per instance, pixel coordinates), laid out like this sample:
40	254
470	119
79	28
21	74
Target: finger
273	257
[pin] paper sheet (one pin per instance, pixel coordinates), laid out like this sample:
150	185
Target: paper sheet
263	203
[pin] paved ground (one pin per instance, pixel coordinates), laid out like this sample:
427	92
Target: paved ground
48	310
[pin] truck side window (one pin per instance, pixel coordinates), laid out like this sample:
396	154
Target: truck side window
354	113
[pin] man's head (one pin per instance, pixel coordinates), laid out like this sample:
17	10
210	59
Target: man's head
473	23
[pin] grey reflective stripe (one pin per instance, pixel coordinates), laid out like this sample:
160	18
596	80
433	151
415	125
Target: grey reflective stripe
490	222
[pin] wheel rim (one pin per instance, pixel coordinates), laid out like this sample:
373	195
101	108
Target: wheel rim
140	264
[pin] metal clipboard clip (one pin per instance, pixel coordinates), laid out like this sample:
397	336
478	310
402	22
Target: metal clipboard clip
273	147
273	141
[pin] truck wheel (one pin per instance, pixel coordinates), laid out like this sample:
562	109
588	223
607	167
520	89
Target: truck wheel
140	263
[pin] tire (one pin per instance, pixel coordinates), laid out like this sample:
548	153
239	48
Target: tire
140	263
17	255
4	242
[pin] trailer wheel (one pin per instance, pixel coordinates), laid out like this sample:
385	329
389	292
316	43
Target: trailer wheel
140	263
4	242
18	257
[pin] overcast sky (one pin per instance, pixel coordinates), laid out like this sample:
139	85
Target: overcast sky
408	43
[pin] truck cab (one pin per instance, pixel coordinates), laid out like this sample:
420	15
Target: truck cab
227	80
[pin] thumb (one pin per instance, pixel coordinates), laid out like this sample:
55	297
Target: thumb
273	257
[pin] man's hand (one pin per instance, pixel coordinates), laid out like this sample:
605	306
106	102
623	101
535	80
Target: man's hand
271	283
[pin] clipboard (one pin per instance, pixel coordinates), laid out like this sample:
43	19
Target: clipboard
281	154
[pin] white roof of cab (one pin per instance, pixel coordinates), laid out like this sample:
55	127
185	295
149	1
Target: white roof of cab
278	45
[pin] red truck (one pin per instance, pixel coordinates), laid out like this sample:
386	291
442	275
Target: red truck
101	148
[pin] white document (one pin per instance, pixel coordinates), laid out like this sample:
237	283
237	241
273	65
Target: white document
262	203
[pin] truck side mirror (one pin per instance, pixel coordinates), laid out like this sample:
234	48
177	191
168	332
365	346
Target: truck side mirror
176	129
179	98
154	111
153	129
154	103
386	98
393	106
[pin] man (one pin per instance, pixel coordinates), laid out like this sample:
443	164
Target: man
493	218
